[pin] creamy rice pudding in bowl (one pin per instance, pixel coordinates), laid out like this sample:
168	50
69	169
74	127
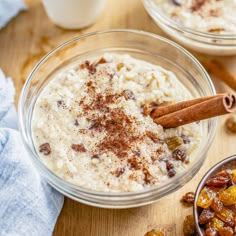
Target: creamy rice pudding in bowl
84	118
206	26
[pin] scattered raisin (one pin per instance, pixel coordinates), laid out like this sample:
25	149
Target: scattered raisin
189	228
169	165
179	155
128	94
170	169
147	176
186	139
216	30
60	103
102	60
78	147
230	124
90	67
178	2
119	66
119	171
76	123
45	149
95	156
174	142
154	232
188	198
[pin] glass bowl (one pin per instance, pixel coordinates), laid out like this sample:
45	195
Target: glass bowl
141	45
227	163
203	42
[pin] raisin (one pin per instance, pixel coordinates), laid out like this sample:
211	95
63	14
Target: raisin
78	147
229	223
154	232
220	180
211	232
171	173
234	176
226	231
216	224
95	156
179	155
128	94
217	205
119	66
206	216
228	196
90	67
178	2
45	149
226	215
205	198
119	171
174	142
170	169
186	139
102	60
169	166
189	228
60	103
188	198
147	176
76	123
230	124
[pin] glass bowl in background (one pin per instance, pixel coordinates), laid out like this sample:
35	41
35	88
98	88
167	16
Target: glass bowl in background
227	163
203	42
140	45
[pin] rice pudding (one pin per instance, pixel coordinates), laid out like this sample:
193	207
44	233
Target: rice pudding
91	125
213	16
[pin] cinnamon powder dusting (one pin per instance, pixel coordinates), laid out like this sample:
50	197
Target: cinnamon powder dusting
119	127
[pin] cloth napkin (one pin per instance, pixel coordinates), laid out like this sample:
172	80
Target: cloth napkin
9	9
28	205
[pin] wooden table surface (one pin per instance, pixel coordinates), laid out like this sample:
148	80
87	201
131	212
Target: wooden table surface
26	39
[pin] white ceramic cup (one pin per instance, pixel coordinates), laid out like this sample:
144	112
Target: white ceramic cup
73	14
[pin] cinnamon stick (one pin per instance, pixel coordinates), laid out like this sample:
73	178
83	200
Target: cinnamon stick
219	70
186	112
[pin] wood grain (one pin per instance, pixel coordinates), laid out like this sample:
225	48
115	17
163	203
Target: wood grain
29	37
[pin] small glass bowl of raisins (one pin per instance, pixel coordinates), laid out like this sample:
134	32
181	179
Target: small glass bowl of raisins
215	200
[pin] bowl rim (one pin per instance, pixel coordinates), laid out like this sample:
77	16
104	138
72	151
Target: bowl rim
164	18
202	182
66	184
